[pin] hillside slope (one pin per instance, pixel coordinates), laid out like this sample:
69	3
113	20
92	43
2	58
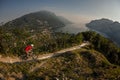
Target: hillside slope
79	64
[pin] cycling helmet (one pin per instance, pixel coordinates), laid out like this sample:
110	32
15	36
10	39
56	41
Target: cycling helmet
32	45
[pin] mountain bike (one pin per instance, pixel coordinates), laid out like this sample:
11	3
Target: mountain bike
29	56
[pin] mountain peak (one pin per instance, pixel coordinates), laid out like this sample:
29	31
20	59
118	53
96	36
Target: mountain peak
43	12
105	19
38	20
108	27
102	21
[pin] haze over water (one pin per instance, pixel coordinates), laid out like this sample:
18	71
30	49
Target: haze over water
74	28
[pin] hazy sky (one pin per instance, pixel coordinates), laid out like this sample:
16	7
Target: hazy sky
75	10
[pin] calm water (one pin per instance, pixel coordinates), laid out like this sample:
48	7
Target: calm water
73	28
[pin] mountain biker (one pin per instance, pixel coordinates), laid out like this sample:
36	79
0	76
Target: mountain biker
28	49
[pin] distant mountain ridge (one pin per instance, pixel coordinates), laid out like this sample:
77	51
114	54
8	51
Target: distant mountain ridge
36	20
108	27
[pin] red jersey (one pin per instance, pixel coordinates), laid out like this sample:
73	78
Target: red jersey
28	48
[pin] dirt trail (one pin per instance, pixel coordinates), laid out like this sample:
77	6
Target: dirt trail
41	57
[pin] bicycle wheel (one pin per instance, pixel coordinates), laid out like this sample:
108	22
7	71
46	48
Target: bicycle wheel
23	57
34	57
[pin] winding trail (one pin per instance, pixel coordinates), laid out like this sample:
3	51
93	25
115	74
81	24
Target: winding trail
41	57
